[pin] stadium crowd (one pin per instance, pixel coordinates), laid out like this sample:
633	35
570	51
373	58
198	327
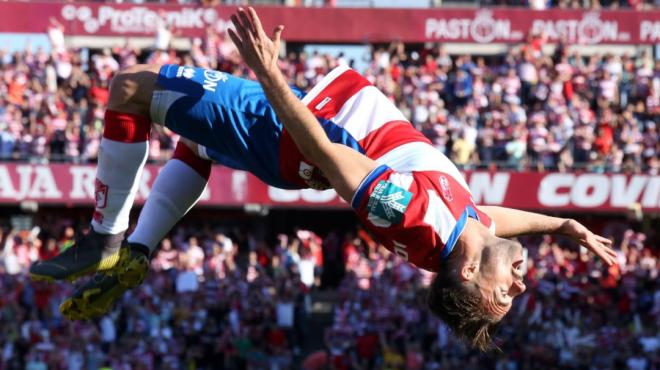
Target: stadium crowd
524	109
221	297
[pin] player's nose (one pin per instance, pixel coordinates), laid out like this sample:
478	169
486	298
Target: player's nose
518	287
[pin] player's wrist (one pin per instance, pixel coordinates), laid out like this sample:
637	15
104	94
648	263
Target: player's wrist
566	225
271	78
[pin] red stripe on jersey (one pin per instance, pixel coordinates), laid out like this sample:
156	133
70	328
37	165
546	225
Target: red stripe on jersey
389	136
331	99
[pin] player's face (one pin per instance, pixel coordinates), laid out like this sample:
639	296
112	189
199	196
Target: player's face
500	277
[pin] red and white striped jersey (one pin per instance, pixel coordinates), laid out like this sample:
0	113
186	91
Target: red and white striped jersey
416	202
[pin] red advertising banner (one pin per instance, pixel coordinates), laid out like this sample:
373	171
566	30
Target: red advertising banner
74	185
344	25
64	184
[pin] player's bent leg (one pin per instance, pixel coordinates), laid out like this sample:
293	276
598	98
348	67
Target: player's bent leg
123	153
169	200
177	189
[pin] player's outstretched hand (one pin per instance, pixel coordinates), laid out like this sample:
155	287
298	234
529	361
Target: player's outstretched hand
258	50
597	244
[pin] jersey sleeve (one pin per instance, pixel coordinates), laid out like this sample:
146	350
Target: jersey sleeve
419	215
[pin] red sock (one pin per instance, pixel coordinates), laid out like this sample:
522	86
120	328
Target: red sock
186	155
126	127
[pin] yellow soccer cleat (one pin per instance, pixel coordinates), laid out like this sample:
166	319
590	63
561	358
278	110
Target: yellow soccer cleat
96	297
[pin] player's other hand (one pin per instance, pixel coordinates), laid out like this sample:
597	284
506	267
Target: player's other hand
597	244
259	51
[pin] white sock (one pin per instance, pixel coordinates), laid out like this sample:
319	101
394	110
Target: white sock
117	178
122	154
175	191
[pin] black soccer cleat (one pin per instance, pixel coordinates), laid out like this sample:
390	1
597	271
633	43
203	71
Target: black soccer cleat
93	252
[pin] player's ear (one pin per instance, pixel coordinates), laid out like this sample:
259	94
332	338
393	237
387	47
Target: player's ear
469	270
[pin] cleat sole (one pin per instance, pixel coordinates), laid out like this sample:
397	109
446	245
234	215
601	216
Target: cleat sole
131	273
85	307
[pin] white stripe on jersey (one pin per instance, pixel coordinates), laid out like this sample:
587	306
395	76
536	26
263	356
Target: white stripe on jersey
439	217
366	112
420	156
327	79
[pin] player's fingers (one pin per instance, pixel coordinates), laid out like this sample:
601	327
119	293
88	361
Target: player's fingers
240	29
604	240
607	259
234	37
247	22
601	251
612	261
603	248
611	252
277	33
256	21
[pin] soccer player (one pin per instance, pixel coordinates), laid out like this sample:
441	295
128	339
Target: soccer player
343	134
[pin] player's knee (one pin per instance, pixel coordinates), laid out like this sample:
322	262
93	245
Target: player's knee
189	144
187	151
131	89
127	117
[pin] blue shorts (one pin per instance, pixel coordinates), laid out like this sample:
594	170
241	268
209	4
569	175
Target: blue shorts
228	116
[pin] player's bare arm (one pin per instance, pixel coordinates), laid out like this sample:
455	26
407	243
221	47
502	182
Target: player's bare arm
344	167
511	222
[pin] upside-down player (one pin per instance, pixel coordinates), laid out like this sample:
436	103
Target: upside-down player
344	133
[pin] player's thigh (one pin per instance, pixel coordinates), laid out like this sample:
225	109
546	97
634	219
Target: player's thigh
132	88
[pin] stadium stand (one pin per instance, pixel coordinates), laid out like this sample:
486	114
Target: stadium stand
523	110
221	298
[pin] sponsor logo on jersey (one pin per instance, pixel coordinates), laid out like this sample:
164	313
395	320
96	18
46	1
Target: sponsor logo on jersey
313	177
387	204
186	72
446	189
211	79
305	170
